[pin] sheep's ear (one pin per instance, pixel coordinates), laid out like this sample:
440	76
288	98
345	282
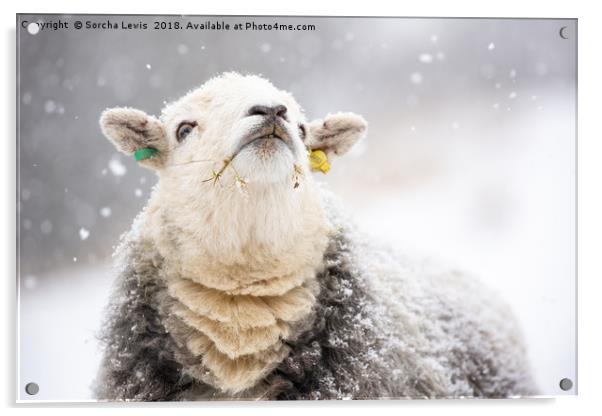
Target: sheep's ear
336	133
132	130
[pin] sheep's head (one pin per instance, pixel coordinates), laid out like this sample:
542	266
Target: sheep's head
233	166
243	121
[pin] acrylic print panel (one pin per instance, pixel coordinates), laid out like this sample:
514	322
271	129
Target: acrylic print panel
299	208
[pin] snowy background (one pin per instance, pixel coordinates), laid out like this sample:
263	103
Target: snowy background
470	158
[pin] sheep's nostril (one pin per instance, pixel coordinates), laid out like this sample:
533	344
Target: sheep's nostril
264	110
259	110
281	111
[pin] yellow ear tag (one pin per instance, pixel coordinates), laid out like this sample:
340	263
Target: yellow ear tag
319	161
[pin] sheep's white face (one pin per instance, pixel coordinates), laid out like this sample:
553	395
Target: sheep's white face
245	120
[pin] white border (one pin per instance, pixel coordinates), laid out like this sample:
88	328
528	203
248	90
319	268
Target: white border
589	189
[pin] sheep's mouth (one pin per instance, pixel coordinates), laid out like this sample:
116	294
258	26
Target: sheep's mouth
266	134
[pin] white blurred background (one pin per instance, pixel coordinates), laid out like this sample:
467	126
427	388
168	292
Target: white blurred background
470	158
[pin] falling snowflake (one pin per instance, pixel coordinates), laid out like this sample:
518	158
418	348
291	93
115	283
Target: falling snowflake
49	106
116	167
491	46
512	95
416	78
265	47
148	66
182	49
84	234
30	282
425	58
26	99
46	227
138	192
105	212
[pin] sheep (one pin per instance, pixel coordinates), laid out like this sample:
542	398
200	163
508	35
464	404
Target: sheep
243	278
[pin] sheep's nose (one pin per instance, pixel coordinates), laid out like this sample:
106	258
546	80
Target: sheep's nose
270	111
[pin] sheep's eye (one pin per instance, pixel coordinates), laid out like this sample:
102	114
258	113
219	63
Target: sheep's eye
184	129
302	131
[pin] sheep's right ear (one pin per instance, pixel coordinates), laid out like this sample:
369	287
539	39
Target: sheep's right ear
132	130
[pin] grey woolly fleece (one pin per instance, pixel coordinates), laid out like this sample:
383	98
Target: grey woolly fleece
382	327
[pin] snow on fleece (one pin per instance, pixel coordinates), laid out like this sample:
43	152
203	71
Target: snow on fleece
383	326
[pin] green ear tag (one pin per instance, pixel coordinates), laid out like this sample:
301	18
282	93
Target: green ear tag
145	153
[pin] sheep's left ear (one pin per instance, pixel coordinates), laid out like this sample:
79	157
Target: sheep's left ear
336	133
134	132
